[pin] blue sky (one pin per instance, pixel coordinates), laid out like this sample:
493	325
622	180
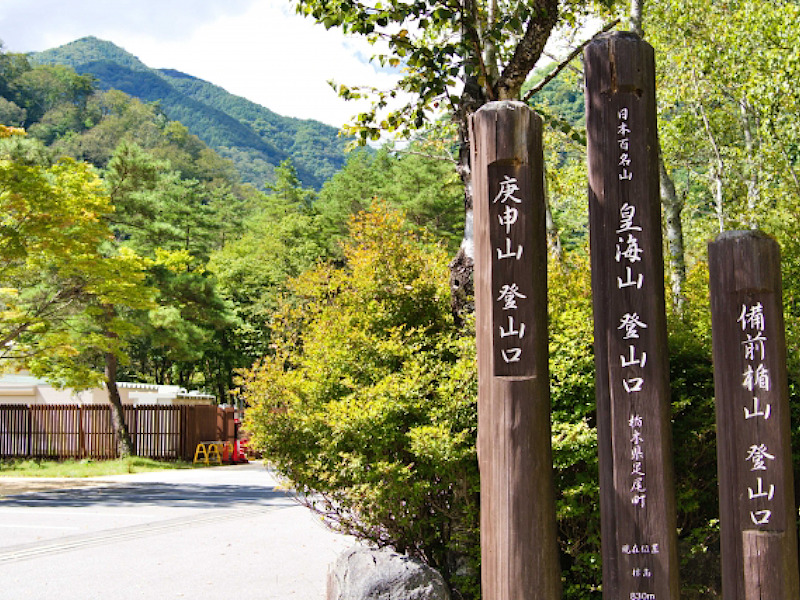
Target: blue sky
259	49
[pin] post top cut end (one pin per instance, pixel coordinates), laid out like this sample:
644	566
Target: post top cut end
498	105
611	36
741	234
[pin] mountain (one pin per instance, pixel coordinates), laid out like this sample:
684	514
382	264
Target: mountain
252	136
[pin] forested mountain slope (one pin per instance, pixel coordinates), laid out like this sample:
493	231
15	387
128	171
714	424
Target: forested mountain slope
252	136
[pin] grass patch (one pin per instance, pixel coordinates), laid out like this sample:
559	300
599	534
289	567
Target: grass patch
86	467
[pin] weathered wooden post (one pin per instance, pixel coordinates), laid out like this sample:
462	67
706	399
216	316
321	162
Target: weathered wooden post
637	503
518	527
756	490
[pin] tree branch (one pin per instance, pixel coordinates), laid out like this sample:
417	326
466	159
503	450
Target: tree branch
448	159
529	49
469	23
555	58
565	63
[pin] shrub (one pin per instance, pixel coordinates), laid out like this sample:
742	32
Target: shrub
369	406
368	403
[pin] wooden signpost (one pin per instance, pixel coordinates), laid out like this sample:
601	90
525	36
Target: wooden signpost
519	549
639	545
757	516
518	526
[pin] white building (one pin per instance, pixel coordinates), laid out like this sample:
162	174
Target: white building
21	388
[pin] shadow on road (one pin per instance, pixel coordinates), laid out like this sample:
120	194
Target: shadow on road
179	495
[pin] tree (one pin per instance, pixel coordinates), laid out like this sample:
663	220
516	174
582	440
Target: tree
717	146
282	237
64	286
7	132
185	328
11	113
351	190
12	65
456	56
44	88
87	346
733	126
51	228
287	189
426	188
174	222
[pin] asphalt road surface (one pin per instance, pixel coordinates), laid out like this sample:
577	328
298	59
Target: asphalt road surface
223	532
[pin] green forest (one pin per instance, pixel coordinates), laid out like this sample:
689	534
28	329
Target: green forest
134	250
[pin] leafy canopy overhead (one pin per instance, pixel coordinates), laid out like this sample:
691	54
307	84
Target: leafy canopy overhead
485	49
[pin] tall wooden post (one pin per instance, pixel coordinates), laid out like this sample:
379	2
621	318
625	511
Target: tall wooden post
637	506
518	528
756	490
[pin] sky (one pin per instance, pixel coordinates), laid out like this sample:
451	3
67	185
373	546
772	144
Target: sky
258	49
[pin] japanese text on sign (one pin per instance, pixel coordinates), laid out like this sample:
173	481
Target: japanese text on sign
623	139
513	298
756	379
509	293
632	327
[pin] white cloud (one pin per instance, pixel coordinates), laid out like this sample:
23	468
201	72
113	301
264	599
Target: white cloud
258	49
274	57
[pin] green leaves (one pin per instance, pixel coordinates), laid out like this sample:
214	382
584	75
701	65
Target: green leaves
727	115
54	233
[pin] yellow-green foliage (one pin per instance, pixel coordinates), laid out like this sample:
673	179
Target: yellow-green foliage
369	398
369	401
6	131
574	426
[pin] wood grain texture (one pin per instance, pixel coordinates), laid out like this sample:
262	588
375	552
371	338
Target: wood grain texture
757	517
518	527
639	541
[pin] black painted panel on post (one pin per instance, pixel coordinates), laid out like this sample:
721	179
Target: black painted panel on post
511	231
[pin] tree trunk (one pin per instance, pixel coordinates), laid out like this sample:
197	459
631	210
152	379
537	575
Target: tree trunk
673	206
717	167
788	165
121	435
553	236
506	86
462	288
636	17
491	60
750	151
719	196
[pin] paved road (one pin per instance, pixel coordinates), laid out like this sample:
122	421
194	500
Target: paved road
223	532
